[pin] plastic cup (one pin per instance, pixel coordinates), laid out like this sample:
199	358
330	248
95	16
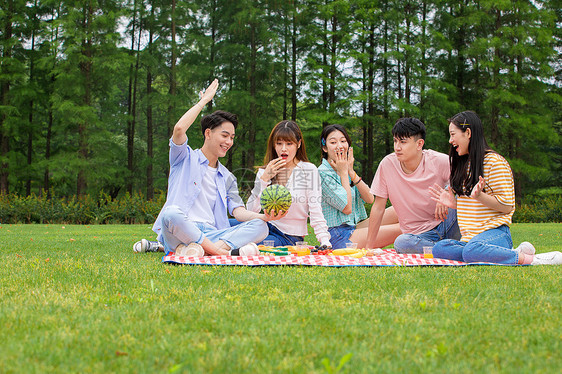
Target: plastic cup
269	243
427	252
351	245
302	249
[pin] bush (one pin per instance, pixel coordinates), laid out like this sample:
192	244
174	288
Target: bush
543	210
136	209
80	210
544	205
534	209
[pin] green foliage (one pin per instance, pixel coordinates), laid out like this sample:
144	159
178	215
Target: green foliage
545	205
536	208
84	209
544	210
78	115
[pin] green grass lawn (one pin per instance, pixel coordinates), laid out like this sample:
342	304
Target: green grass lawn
77	299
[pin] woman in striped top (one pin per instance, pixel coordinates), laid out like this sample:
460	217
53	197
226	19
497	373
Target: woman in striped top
482	181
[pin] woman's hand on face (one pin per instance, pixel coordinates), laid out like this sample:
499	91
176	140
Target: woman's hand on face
478	188
442	196
273	168
350	161
340	164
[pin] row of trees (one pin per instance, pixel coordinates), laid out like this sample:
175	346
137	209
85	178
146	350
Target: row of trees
90	90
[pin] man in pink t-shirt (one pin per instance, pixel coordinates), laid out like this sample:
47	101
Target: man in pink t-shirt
404	177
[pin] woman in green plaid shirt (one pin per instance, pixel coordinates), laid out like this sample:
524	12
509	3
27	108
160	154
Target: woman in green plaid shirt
344	194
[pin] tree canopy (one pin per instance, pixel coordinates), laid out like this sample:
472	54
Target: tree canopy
90	90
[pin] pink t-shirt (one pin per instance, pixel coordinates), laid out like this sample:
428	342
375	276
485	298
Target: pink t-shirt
409	193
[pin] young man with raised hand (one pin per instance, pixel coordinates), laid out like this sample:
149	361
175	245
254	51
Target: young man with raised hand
194	220
404	177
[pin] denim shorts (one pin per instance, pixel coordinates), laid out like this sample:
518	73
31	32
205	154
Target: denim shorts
340	235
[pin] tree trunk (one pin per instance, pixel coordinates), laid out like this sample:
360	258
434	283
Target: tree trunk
285	68
495	112
29	150
386	89
149	129
46	180
294	69
172	89
460	45
398	71
423	60
212	56
333	58
407	88
324	72
86	70
253	110
31	102
4	100
134	112
130	120
370	106
46	177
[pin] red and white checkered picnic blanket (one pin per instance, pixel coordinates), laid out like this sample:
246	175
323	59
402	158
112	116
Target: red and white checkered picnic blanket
390	258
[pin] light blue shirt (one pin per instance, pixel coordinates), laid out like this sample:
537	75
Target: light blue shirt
334	199
187	168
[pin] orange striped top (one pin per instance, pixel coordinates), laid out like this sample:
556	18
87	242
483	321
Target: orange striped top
473	216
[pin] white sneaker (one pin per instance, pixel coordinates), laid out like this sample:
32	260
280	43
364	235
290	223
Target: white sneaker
526	248
250	249
548	258
191	250
144	245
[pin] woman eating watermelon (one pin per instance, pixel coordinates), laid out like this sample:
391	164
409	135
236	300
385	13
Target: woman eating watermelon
286	164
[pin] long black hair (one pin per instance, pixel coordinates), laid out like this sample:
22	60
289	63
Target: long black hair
327	131
462	182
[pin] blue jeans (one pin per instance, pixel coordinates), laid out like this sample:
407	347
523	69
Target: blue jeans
178	229
280	238
414	243
494	245
339	235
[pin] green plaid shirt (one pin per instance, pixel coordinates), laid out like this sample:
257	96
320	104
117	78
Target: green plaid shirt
334	199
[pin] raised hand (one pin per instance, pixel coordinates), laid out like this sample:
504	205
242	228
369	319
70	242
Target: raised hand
442	196
478	188
210	92
185	122
273	168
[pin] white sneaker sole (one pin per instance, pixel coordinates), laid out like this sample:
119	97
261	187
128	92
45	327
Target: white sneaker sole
140	246
548	258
